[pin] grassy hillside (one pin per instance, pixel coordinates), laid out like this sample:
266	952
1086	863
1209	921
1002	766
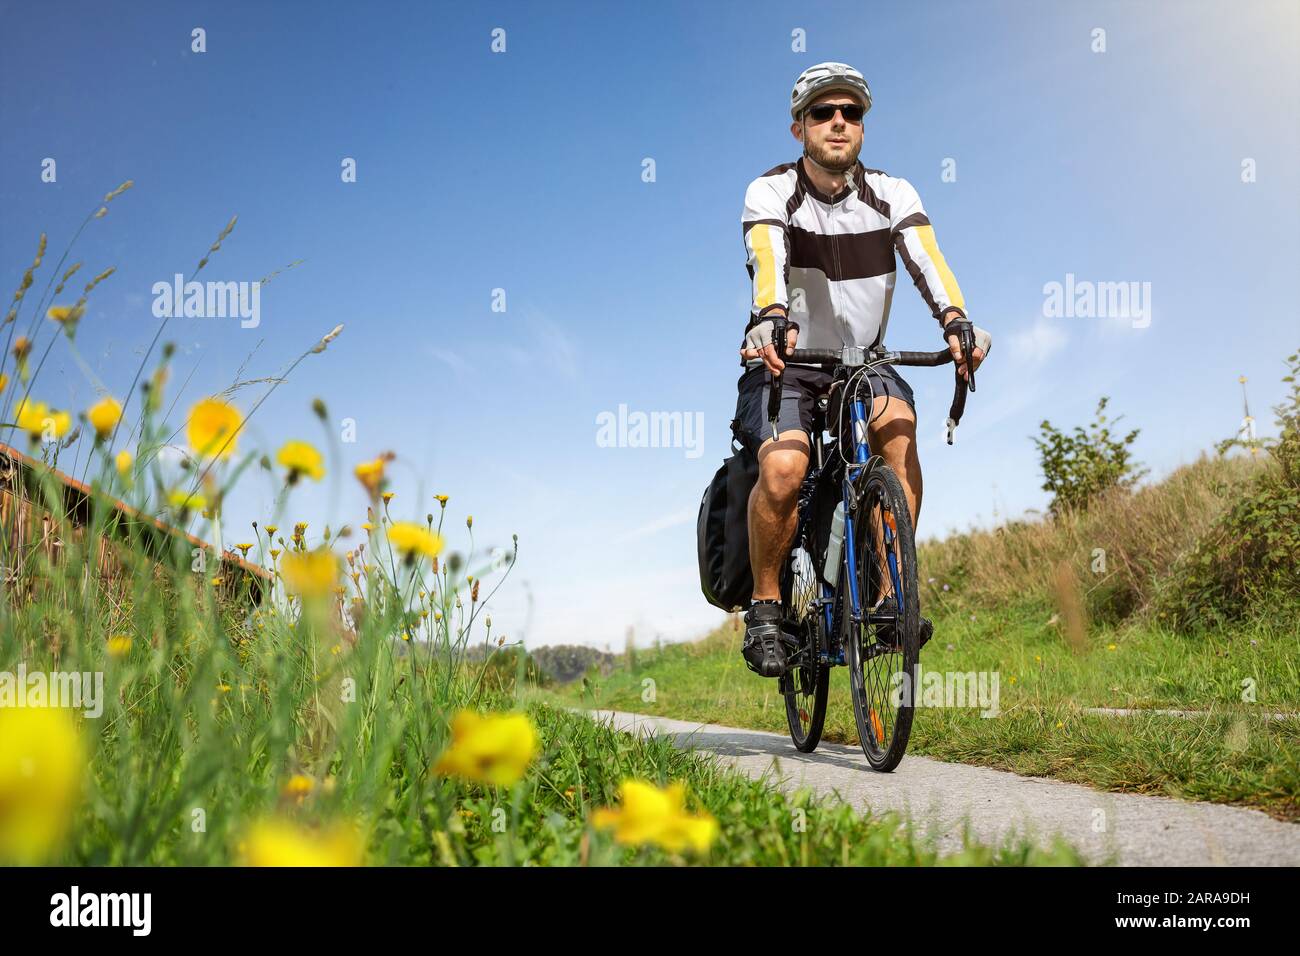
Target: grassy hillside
1090	609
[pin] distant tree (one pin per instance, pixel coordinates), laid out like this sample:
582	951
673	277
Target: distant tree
1082	464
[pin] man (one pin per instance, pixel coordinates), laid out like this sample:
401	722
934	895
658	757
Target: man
821	235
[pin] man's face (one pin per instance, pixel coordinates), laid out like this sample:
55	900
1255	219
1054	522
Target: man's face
834	143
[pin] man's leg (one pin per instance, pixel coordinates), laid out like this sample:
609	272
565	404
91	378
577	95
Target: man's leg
893	437
773	511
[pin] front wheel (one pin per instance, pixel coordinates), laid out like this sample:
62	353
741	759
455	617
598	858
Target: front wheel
882	647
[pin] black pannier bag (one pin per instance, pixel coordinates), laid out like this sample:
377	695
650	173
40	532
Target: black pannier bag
722	533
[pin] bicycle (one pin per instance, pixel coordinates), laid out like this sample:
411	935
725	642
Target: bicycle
852	567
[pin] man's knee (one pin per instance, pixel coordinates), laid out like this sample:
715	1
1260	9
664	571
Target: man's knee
781	471
893	433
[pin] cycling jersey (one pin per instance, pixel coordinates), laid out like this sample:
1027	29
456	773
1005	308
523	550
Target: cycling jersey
829	260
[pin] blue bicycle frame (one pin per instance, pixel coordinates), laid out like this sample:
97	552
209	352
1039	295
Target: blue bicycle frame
861	458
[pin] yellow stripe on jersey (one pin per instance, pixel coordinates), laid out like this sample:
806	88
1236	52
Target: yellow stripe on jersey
931	247
760	239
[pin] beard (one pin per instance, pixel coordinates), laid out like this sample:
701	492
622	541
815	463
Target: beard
826	159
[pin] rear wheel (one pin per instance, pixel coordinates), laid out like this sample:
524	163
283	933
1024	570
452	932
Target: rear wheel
882	672
806	683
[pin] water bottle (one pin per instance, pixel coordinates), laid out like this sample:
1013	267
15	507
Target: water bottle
835	545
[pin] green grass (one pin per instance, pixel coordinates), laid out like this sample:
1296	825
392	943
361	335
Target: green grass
1231	755
311	712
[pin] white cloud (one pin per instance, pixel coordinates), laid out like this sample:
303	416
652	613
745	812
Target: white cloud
453	359
1033	346
661	523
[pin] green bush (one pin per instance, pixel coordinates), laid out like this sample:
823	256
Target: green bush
1250	560
1079	467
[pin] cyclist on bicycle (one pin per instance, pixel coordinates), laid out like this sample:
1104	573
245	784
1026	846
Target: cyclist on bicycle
821	234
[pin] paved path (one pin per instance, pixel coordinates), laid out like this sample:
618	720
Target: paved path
1127	829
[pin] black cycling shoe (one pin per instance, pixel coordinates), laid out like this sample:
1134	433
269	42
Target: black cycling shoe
885	632
764	647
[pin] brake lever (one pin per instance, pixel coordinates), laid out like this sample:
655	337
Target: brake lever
966	342
780	327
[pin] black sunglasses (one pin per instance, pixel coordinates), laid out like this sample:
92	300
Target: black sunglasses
820	113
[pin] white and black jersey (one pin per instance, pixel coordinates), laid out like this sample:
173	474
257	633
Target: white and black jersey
829	260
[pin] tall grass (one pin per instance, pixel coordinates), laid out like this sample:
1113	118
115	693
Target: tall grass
1114	555
328	696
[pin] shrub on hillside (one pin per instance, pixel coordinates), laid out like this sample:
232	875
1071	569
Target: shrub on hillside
1250	558
1119	548
1078	467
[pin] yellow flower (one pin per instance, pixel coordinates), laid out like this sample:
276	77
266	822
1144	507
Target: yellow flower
388	496
39	421
244	549
118	646
301	458
124	461
41	768
413	540
442	500
282	843
491	748
4	380
1110	647
271	530
298	787
310	574
104	416
67	316
653	815
182	500
212	427
371	474
1013	678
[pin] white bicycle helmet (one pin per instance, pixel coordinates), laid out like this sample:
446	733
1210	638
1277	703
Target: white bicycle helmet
823	78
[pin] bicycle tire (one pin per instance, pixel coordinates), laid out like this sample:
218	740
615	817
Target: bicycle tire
879	492
806	701
806	686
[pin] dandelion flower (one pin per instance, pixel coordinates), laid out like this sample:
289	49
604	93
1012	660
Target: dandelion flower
42	764
301	459
651	814
182	500
124	461
4	380
40	422
67	316
371	474
298	787
282	843
104	416
388	496
310	574
491	748
212	428
118	646
412	540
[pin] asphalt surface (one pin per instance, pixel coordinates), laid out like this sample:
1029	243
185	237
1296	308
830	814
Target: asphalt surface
941	798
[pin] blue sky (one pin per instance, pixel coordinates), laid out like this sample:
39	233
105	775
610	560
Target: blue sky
522	171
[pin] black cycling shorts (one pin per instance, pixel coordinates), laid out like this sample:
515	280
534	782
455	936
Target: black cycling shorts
799	393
